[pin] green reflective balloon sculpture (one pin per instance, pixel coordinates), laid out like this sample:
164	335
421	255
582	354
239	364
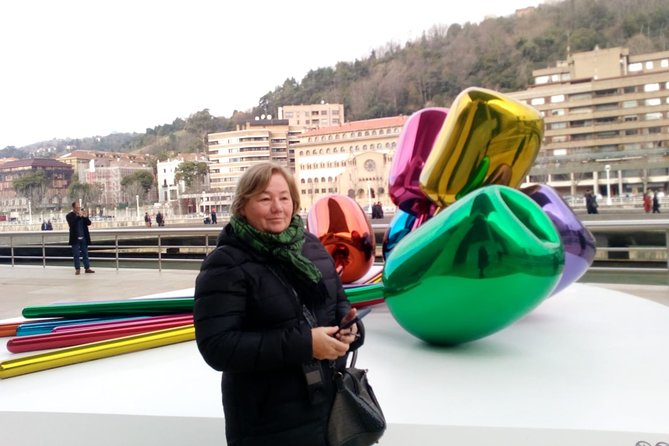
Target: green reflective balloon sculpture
474	268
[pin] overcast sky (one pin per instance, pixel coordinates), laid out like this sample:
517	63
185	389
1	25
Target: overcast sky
79	68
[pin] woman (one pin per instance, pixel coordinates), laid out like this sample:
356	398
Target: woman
267	304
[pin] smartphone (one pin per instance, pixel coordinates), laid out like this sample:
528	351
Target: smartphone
359	315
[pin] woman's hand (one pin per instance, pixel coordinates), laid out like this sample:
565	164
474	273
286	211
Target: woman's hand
348	335
325	346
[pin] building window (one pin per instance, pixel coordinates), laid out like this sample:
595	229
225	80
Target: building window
604	107
651	87
580	97
557	98
541	80
538	101
653	101
633	67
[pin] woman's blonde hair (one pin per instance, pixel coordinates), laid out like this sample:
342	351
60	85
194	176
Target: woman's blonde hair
255	179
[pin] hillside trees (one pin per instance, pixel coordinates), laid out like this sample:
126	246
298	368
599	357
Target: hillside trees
498	53
86	192
137	183
193	174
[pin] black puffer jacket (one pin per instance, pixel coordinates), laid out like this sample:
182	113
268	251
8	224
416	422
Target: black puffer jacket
250	325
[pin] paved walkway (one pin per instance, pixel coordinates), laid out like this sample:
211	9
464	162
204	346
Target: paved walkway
21	286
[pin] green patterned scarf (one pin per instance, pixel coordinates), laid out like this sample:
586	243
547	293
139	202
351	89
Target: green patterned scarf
285	246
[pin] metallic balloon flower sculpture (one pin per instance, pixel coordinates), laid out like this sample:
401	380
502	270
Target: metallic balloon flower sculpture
345	231
487	138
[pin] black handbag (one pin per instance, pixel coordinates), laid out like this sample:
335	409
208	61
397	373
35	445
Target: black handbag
356	418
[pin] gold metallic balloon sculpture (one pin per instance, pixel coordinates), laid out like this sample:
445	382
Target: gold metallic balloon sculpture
487	138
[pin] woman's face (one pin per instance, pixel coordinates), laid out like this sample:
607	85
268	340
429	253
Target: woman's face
272	209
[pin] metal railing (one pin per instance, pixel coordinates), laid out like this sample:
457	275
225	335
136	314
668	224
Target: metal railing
159	247
118	246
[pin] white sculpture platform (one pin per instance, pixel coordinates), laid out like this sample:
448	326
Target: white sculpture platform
589	366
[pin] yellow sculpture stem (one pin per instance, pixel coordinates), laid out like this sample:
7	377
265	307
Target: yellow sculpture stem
95	350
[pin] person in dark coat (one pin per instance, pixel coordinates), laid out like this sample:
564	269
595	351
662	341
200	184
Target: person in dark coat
656	203
591	203
80	237
267	304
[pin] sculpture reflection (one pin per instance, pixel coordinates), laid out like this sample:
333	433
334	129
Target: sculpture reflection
345	231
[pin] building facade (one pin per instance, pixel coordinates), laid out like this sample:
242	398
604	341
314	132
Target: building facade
231	153
53	194
108	178
80	160
606	123
169	189
313	116
352	159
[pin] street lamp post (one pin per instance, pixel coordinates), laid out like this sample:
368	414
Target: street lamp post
608	184
137	201
30	212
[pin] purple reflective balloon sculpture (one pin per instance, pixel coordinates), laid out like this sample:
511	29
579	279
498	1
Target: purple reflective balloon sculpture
579	243
414	145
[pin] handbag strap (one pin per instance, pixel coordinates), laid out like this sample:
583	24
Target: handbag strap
354	358
308	315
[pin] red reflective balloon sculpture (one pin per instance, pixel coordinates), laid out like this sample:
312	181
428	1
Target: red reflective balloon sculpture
345	231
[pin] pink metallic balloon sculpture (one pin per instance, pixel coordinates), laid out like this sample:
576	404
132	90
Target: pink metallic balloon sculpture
414	145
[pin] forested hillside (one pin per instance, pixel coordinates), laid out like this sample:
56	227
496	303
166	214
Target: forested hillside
498	53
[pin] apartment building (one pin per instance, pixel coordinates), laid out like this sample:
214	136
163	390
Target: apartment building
313	116
51	196
351	159
108	178
231	153
80	160
169	189
607	123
